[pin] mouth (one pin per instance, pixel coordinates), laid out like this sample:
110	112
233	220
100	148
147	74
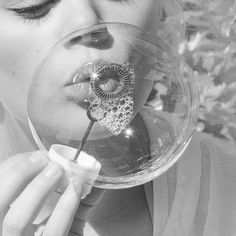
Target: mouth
81	75
79	87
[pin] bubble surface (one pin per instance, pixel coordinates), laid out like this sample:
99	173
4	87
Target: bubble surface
139	94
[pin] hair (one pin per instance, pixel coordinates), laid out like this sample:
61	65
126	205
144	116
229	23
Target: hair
171	24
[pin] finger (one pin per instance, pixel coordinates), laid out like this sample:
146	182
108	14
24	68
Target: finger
62	217
94	196
89	202
27	206
85	207
33	157
16	173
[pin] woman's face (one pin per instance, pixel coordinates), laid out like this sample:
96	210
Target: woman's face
29	28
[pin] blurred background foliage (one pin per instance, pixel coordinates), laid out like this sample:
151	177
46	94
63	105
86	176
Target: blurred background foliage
209	49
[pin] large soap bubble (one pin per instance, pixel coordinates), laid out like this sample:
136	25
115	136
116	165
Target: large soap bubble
118	94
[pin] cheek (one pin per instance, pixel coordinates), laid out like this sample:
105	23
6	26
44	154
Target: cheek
19	56
139	13
16	68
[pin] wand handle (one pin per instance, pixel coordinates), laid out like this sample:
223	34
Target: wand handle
88	130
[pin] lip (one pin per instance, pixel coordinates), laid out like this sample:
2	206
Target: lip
80	75
79	93
78	86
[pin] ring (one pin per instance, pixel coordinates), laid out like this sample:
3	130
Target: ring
122	77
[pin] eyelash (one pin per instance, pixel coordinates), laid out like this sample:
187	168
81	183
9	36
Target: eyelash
35	12
40	11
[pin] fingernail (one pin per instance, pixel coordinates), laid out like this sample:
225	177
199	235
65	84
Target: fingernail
52	170
86	190
81	188
77	186
37	158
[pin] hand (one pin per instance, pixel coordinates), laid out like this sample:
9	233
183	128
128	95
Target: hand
85	207
26	180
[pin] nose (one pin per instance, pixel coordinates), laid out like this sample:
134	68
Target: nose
97	37
79	14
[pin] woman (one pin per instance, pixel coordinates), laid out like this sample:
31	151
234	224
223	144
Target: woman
28	30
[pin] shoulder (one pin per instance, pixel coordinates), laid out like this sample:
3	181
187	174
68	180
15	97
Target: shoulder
221	155
227	147
217	184
13	139
216	148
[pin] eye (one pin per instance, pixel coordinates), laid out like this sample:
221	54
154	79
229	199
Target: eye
35	11
119	1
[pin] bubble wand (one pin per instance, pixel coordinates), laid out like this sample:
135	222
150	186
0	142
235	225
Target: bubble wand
111	106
